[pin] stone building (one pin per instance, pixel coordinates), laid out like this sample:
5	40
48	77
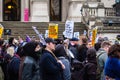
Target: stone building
88	12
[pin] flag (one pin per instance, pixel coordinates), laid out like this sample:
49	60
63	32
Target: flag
39	35
28	39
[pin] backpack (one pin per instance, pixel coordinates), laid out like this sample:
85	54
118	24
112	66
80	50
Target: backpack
79	71
98	75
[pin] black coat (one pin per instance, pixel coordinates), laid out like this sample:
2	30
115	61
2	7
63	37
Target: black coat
82	52
13	68
50	68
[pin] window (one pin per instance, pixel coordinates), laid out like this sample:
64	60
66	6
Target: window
55	10
11	10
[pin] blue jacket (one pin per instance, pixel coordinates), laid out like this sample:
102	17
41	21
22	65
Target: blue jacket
49	67
112	68
66	71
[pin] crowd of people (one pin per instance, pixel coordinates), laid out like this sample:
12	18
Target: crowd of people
59	59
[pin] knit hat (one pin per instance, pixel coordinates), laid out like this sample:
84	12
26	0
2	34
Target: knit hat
60	51
74	39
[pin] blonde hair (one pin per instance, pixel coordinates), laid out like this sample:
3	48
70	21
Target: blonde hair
10	51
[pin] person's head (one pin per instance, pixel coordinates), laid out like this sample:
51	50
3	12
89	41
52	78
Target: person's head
74	41
32	49
89	45
100	40
66	43
60	51
59	41
97	46
91	53
11	51
12	41
105	45
50	44
84	41
114	51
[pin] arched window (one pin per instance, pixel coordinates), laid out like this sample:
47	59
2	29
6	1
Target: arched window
11	10
55	10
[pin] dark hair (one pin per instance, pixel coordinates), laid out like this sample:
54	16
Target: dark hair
97	46
91	55
84	40
113	50
49	40
1	42
60	51
11	40
29	49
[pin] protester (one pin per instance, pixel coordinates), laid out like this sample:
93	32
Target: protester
73	46
13	42
112	65
90	65
30	69
50	67
83	50
13	64
101	59
60	52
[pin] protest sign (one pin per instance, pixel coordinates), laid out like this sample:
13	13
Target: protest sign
1	30
53	31
69	27
94	34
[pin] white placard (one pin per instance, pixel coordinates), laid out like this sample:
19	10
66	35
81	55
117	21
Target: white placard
76	35
69	27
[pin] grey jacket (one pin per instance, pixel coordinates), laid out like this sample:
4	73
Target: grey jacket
31	69
66	71
101	61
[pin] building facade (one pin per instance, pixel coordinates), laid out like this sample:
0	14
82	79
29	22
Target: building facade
90	12
50	10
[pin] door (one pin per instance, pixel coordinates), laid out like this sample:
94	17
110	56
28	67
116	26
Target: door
11	10
55	10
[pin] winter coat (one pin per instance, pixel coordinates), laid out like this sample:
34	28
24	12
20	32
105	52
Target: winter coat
82	52
90	70
49	67
30	70
112	68
13	68
66	71
101	61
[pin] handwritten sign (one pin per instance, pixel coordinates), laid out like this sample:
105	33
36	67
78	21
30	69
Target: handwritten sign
76	35
69	27
53	31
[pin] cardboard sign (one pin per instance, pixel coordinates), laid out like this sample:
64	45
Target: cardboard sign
53	31
94	33
69	27
1	30
77	35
